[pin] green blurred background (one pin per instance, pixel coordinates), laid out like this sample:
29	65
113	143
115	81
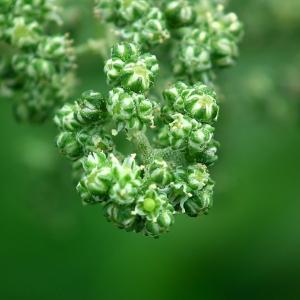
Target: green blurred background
248	247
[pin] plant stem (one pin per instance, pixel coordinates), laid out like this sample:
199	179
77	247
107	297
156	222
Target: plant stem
148	154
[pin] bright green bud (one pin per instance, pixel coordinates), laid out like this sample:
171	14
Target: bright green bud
160	172
150	204
162	224
180	13
68	145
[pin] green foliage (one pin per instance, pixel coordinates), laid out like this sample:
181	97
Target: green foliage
36	68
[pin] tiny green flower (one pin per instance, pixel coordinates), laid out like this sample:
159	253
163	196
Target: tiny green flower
68	145
130	69
160	172
179	13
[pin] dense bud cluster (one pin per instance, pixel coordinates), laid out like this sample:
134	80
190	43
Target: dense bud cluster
173	137
204	37
36	69
141	22
141	192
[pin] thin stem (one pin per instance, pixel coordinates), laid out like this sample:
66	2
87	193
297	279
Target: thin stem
148	154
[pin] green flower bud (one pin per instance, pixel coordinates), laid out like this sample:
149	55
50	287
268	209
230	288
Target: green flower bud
121	216
193	55
130	108
132	71
180	13
127	180
86	196
200	203
151	204
24	34
209	155
200	103
160	172
65	118
131	10
149	31
97	178
200	138
94	161
197	176
68	145
98	181
164	221
121	105
121	11
180	129
94	139
89	108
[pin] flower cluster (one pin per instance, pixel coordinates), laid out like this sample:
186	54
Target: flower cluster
210	43
173	137
142	22
203	37
36	70
141	192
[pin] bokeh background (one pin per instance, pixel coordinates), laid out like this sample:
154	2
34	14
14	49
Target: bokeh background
248	247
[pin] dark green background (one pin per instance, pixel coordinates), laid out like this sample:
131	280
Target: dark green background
248	247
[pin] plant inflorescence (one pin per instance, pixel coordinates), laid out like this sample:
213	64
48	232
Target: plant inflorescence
172	135
36	65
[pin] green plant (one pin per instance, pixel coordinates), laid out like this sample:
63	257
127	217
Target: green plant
172	137
36	66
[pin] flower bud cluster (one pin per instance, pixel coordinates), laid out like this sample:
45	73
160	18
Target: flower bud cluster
169	173
204	37
142	22
39	66
141	192
210	43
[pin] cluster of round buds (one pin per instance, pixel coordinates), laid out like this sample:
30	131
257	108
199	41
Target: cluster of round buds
130	69
40	65
142	22
141	192
190	112
204	37
210	43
